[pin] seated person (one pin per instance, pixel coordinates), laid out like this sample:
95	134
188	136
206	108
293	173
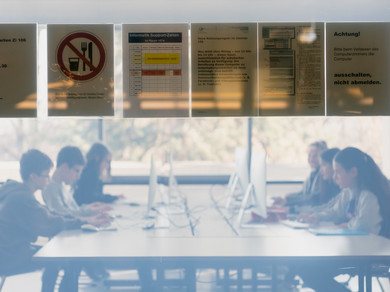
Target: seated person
311	187
363	204
23	218
89	188
58	196
328	188
365	193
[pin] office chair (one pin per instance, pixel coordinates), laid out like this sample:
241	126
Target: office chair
377	271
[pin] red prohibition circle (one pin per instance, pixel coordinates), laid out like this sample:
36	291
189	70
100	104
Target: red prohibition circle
67	42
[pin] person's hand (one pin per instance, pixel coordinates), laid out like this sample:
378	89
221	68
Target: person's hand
99	207
99	220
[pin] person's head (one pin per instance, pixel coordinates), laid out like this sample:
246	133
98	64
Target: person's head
70	162
35	169
100	157
314	151
353	167
326	163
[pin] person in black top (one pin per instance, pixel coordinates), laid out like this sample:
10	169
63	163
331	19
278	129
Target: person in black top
311	189
328	188
89	188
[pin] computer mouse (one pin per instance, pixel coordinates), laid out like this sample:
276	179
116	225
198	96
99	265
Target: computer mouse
89	228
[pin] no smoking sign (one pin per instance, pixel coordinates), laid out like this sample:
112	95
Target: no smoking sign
81	56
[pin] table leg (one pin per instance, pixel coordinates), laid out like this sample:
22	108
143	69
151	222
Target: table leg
368	278
274	278
190	279
361	279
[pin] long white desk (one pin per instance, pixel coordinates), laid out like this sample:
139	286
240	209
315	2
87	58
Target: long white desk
214	244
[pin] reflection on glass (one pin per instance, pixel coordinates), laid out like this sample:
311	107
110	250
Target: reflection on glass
358	69
224	69
81	69
155	70
291	69
18	70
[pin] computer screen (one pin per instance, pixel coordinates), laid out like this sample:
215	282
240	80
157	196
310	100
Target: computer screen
173	189
258	179
152	186
241	168
239	180
254	199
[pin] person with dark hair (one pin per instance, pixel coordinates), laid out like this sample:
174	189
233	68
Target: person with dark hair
363	204
89	188
328	188
365	194
58	195
23	218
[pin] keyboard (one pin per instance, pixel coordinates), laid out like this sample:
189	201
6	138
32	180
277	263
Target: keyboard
295	224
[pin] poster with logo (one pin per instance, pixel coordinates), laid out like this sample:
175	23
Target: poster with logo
358	68
18	70
80	69
155	70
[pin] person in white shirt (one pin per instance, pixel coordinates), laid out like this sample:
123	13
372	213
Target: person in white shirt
363	201
58	195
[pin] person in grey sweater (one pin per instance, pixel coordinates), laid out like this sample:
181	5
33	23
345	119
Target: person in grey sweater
23	218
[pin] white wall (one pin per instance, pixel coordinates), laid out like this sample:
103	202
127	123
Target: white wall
141	11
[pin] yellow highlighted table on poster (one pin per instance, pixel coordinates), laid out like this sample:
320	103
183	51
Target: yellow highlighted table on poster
162	58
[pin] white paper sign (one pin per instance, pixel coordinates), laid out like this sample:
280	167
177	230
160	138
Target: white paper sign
358	68
155	70
224	69
81	70
291	69
18	70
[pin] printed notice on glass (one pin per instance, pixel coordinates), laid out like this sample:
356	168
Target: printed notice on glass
18	70
81	69
358	68
155	70
291	69
224	68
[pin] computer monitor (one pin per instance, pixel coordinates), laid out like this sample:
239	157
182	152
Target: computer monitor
173	188
152	187
175	204
258	178
255	195
239	180
241	166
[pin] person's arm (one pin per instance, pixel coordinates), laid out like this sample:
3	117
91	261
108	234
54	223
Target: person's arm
367	215
336	211
37	219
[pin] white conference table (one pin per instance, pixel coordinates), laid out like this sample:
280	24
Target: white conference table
213	243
